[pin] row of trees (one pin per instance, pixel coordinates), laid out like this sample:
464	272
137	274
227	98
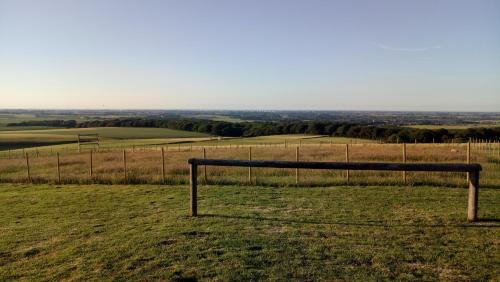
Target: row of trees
249	129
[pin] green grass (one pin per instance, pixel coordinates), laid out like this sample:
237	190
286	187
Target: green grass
33	138
118	132
246	233
455	126
292	139
22	128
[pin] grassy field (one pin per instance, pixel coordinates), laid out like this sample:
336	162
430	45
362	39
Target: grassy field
246	233
33	138
144	165
455	126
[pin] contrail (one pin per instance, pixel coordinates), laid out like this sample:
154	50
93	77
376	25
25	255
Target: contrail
419	49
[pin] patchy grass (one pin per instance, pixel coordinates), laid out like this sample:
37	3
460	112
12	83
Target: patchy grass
246	233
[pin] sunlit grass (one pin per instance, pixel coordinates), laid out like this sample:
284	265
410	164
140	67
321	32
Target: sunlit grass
142	232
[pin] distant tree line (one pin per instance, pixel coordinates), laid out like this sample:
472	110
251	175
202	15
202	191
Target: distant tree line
53	123
385	133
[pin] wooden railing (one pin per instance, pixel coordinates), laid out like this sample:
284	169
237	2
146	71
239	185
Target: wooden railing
471	169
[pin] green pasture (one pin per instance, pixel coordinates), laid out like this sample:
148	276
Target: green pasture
35	138
455	126
142	232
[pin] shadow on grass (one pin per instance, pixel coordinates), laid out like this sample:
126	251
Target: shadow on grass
478	224
489	219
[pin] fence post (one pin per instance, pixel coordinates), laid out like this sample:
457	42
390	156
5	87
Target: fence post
163	165
79	150
125	167
347	160
473	196
58	169
297	170
250	168
468	160
404	161
91	166
28	167
204	167
193	173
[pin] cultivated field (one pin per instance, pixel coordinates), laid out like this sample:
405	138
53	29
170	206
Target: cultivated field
142	232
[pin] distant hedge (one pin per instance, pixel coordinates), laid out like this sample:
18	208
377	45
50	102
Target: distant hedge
248	129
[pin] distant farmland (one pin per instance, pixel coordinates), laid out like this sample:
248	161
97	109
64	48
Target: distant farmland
32	138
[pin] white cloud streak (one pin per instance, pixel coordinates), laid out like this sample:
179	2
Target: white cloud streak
399	49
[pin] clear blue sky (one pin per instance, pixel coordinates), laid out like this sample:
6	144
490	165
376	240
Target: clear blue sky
235	54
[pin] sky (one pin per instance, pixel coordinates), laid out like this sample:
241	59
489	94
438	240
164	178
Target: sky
250	55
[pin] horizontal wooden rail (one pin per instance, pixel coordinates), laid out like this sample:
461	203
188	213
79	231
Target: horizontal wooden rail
471	169
450	167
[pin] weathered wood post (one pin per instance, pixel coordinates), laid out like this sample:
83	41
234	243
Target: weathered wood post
28	167
468	160
297	170
205	167
58	169
347	160
79	149
163	165
91	172
125	177
473	196
250	168
193	175
404	161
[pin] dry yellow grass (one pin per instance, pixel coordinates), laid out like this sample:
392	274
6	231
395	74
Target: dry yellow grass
144	165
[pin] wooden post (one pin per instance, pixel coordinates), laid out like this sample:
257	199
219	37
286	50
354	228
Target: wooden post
347	160
78	136
91	173
193	175
250	168
125	166
473	196
204	167
404	161
297	170
58	169
28	167
468	161
163	165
